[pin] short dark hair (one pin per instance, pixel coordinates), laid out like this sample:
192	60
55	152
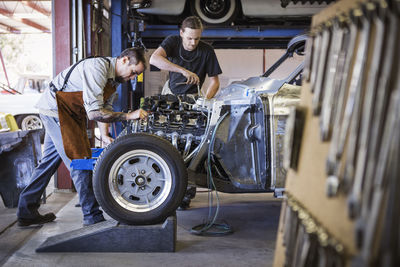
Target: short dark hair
192	22
135	55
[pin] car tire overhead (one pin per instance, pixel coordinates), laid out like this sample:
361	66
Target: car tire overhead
140	179
215	11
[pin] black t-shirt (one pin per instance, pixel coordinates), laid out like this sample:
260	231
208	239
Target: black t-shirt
201	61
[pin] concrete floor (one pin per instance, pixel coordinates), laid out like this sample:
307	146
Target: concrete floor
254	218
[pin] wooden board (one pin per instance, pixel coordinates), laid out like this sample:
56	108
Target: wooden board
307	184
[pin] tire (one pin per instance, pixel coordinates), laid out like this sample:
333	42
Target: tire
140	179
215	11
31	122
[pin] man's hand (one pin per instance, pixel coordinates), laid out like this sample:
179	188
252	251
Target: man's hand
191	78
105	137
106	140
137	114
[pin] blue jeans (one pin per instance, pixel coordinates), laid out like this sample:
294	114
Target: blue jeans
53	153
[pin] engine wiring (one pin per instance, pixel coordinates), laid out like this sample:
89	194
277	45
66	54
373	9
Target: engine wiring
186	160
210	227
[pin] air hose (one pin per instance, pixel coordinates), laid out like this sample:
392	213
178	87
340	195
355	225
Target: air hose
210	227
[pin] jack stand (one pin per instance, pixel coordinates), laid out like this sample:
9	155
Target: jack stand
111	236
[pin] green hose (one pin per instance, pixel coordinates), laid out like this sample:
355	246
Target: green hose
210	227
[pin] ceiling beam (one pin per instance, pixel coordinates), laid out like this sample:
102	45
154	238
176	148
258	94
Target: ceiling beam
28	22
35	6
9	28
35	25
5	12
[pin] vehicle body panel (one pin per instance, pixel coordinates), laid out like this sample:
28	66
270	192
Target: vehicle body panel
250	8
273	9
163	7
19	104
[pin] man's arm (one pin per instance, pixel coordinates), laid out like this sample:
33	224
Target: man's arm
105	115
159	59
213	87
106	139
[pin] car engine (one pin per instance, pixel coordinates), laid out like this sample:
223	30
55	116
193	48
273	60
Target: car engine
173	118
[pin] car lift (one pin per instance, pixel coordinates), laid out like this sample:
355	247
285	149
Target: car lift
110	235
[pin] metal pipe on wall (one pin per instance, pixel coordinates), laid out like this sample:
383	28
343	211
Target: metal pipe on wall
73	31
87	10
80	29
119	42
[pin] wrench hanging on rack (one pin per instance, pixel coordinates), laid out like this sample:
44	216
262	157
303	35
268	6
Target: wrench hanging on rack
328	97
318	88
316	55
346	56
309	57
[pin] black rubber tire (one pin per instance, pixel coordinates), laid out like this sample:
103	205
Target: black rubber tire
224	12
130	143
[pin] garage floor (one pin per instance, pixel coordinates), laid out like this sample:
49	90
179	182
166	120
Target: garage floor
254	218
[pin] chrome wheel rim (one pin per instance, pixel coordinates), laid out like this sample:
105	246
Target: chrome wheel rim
215	11
140	180
31	122
215	8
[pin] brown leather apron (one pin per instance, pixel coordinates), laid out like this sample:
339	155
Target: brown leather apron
73	120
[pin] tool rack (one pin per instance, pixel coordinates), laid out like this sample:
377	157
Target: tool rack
342	205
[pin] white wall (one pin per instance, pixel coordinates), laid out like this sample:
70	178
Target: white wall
239	64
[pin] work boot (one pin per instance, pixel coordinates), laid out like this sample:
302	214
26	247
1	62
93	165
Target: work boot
37	220
100	220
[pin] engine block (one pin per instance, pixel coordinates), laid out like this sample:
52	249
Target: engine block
173	118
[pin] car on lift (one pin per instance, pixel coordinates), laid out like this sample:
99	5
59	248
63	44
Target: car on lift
142	177
23	110
220	12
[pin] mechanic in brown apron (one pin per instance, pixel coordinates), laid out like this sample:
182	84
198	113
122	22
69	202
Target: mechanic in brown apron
73	118
64	110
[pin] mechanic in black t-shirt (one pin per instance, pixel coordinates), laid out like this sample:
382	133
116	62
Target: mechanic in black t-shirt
188	60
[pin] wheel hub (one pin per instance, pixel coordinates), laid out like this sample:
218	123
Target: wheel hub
215	6
31	122
140	180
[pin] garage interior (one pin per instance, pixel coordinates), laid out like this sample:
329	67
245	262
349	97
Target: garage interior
303	153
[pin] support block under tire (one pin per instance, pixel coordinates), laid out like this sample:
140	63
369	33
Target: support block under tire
140	179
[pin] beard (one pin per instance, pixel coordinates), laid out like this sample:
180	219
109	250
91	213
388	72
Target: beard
119	79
